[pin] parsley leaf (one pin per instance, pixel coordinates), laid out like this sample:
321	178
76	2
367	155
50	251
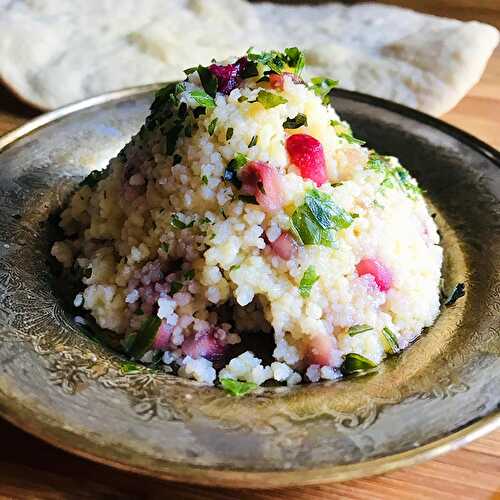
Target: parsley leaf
202	98
278	62
230	174
208	80
177	223
355	364
93	178
308	279
295	59
299	121
249	71
129	368
270	100
237	388
175	287
390	341
229	133
211	126
145	337
350	139
357	329
322	87
253	142
328	214
204	180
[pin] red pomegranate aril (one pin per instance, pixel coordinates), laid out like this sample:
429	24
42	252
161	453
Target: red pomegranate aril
321	350
162	339
381	275
278	81
203	345
261	180
285	246
307	154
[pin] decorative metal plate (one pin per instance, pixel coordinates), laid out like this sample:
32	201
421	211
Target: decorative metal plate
61	386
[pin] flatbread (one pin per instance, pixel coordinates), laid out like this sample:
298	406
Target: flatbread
53	53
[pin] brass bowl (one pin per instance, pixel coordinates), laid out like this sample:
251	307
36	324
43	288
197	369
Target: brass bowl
61	386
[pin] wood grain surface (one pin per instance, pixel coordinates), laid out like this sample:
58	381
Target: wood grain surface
31	469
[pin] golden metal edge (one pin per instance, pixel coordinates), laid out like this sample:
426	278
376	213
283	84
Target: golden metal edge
219	477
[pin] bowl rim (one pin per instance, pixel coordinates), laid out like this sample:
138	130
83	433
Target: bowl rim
45	430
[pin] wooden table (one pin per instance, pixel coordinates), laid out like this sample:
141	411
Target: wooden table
31	469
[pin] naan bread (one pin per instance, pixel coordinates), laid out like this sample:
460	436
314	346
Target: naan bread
53	52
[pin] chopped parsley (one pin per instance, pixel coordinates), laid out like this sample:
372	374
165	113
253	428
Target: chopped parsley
231	172
202	98
298	121
208	80
394	175
129	368
242	98
204	180
189	71
189	275
357	329
93	178
350	139
278	62
165	247
269	100
229	133
314	222
179	224
356	364
322	87
175	287
211	127
253	142
248	199
390	340
237	388
250	70
145	337
176	159
306	283
457	292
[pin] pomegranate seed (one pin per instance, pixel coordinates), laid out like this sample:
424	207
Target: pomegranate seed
203	345
261	180
306	153
162	339
278	81
285	246
381	275
321	350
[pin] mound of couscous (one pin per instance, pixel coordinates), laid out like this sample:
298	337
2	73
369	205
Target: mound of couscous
245	235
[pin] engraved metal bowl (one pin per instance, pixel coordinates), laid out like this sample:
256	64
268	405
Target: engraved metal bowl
61	386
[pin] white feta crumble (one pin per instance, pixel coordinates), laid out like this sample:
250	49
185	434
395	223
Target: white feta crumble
132	297
166	307
199	369
281	371
78	300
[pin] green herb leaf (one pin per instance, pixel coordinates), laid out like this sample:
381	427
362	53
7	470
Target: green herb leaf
306	283
350	139
175	287
129	368
204	180
211	126
357	329
145	337
299	121
270	100
295	59
177	223
457	293
308	231
208	80
230	174
229	133
165	247
171	138
250	70
176	159
93	178
242	98
276	61
247	199
189	71
322	87
355	364
253	142
189	275
237	388
202	98
328	214
390	340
